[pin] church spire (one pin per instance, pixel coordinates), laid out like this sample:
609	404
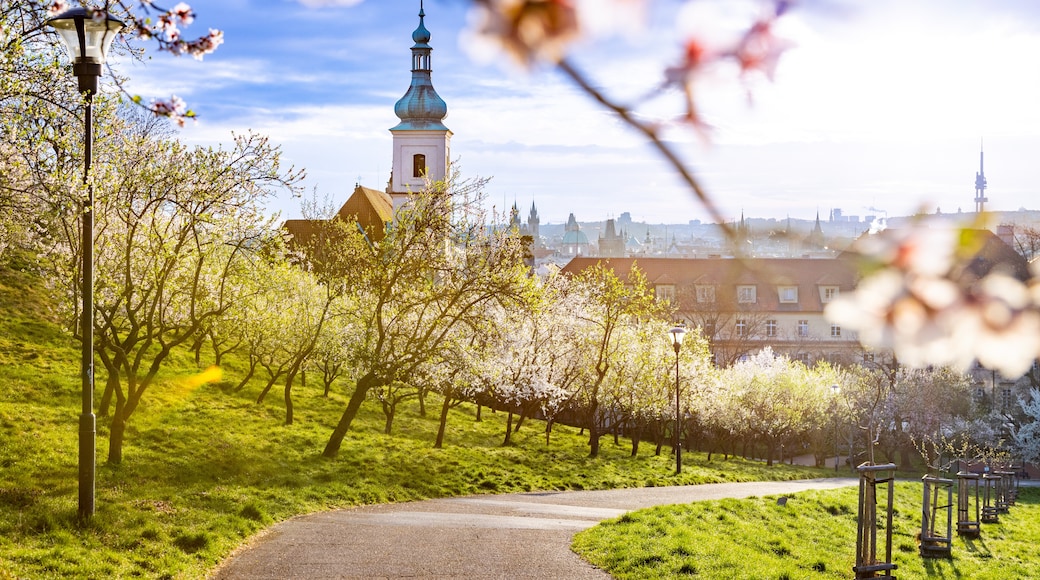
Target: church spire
421	107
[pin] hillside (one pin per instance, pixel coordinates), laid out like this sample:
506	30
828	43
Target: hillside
205	468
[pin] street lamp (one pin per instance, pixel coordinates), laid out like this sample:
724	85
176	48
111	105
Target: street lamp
87	40
678	333
835	389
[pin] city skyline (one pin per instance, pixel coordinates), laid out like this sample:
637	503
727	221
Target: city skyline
874	106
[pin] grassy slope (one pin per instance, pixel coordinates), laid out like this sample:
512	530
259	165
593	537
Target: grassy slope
204	469
813	536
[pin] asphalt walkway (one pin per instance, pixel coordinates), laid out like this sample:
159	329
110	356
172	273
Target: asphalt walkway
525	535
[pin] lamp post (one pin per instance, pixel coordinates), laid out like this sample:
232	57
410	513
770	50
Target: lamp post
835	389
87	40
678	333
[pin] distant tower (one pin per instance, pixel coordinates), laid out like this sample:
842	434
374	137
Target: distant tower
980	186
514	218
532	223
422	144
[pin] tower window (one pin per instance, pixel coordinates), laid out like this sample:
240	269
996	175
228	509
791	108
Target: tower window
418	165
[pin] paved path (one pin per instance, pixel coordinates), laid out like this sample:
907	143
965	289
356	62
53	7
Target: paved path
526	535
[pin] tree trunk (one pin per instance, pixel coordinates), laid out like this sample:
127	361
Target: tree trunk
443	424
111	384
117	432
288	399
479	409
593	440
360	391
249	375
196	347
422	403
519	422
635	443
270	383
548	431
509	430
388	412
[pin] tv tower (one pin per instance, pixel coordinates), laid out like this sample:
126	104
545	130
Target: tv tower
980	186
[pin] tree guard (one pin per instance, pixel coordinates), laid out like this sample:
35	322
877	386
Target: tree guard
968	504
867	563
1008	488
1002	491
936	540
990	513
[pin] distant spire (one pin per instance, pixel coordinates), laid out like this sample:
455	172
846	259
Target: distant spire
980	184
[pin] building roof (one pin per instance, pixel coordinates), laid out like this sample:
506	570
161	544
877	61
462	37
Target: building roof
766	274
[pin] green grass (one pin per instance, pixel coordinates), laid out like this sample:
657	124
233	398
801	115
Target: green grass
812	536
205	469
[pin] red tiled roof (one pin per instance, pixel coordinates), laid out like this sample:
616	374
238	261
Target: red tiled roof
766	274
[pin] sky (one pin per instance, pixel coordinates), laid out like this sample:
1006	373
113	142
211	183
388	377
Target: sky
879	107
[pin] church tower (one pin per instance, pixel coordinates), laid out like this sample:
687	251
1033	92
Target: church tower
422	144
533	222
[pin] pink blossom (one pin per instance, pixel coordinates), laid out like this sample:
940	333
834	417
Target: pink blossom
183	13
57	7
206	44
530	29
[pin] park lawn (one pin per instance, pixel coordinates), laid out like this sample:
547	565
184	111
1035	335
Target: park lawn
206	468
812	536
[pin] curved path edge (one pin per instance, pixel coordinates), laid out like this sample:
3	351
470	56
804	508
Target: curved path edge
522	535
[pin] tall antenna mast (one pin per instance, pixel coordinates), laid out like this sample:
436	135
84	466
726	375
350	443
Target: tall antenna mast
980	184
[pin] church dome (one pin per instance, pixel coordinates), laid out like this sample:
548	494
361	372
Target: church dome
421	35
575	237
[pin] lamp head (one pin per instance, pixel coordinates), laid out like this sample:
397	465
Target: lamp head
87	39
678	334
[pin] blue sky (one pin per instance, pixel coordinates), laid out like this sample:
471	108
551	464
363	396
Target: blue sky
879	103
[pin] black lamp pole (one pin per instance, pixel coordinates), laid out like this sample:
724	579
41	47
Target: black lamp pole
677	338
835	389
87	40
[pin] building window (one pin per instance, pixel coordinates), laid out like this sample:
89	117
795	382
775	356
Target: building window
771	328
709	329
1005	399
802	357
706	294
418	165
803	328
868	357
835	331
828	293
746	294
665	292
788	294
742	327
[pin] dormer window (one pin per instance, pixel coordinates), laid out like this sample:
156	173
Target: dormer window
705	294
746	295
418	165
828	293
788	294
